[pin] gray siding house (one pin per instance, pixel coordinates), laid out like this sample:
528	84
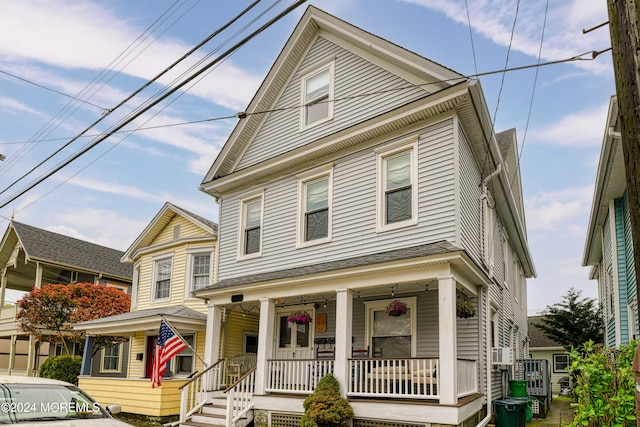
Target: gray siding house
365	177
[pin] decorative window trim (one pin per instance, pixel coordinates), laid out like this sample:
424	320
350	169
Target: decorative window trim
303	84
377	305
505	260
174	359
555	361
102	354
154	277
135	284
305	178
191	253
388	150
243	202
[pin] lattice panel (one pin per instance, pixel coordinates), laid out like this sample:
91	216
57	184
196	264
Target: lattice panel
285	420
378	423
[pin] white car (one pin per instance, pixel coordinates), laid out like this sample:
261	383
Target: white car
32	401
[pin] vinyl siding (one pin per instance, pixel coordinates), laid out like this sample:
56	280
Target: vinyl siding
137	345
354	211
354	76
96	364
471	226
621	264
630	264
607	259
235	326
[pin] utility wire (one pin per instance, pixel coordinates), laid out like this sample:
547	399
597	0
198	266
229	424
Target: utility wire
345	98
51	90
473	49
136	92
152	104
67	111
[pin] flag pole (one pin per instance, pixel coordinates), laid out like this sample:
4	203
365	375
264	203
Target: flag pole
183	340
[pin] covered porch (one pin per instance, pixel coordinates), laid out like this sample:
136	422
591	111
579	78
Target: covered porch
426	355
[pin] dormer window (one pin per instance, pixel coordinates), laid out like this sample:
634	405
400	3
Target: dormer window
317	92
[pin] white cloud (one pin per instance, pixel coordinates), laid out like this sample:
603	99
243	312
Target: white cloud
73	36
12	106
563	32
584	128
564	209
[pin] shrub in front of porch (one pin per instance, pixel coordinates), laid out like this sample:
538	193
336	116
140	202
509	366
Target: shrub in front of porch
63	368
325	407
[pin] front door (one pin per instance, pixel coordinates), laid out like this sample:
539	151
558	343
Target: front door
295	341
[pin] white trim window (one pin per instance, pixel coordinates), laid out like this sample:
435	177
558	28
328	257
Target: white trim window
184	362
135	284
162	278
561	363
314	216
317	96
251	210
199	269
111	360
391	336
397	186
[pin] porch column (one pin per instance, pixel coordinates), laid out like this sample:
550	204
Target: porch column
448	355
38	282
214	326
85	368
344	310
3	287
12	354
31	357
265	343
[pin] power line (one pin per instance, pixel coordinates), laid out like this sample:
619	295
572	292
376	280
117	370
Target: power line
363	95
152	104
52	90
473	49
134	93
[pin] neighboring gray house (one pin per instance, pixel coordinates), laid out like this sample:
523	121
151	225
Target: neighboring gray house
376	178
609	246
31	257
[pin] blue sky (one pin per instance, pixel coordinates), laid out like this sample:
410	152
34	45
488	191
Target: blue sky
110	194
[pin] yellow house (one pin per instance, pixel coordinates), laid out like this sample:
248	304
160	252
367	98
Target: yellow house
172	258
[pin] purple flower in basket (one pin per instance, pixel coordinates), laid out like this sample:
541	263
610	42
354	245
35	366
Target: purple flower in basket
396	308
300	318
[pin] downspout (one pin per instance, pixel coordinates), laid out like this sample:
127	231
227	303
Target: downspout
613	134
488	384
493	174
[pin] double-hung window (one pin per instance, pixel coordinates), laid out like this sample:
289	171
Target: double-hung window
317	94
184	363
391	336
397	186
251	227
200	267
315	191
162	278
111	357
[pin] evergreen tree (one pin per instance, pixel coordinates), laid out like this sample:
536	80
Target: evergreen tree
573	321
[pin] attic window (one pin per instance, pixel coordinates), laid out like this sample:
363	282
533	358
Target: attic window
317	91
176	232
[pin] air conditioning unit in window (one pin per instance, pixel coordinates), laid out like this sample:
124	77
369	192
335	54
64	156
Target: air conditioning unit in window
501	356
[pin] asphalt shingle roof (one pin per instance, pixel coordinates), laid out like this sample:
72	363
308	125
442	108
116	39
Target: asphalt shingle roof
60	249
537	338
173	311
437	248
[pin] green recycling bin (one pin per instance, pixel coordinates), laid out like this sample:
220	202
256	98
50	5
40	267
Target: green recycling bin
510	412
518	388
528	409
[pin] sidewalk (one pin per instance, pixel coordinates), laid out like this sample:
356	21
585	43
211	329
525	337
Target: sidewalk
561	413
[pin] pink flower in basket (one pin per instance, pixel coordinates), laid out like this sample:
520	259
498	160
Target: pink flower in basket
300	318
396	308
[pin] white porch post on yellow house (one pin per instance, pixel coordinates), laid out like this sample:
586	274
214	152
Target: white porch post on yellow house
344	311
447	364
266	332
213	331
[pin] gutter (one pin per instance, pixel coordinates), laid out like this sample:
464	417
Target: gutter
488	384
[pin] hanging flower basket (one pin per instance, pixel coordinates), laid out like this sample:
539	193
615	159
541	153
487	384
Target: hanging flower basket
465	310
300	318
396	308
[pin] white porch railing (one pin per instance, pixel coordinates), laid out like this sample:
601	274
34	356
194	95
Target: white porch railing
240	397
467	377
399	378
194	393
298	375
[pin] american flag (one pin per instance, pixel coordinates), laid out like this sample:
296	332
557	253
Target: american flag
169	344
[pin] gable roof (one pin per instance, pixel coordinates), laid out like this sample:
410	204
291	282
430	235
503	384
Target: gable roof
508	146
422	70
537	338
53	248
160	221
610	184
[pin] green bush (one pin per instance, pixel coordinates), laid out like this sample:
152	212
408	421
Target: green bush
604	386
325	407
63	368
